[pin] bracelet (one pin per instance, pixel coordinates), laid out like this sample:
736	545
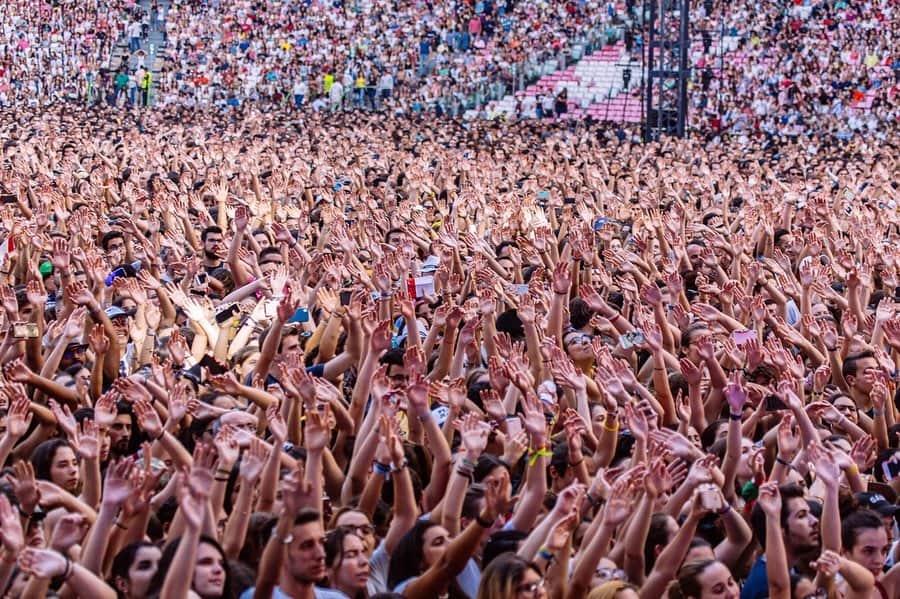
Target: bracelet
735	416
784	462
877	412
120	525
853	469
221	480
611	429
831	349
725	509
160	436
545	554
592	500
482	522
382	469
400	467
68	572
465	472
576	464
468	464
534	454
614	317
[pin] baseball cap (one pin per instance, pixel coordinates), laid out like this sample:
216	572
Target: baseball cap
877	502
431	264
115	311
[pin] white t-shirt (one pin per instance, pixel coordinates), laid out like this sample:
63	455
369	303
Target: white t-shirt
318	593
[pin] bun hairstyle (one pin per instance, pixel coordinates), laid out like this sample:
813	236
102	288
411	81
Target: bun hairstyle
688	584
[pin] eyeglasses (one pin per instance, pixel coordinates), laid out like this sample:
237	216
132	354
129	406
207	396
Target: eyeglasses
584	338
610	574
531	589
819	594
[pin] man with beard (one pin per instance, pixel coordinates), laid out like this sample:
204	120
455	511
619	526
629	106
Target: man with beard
211	237
800	528
120	430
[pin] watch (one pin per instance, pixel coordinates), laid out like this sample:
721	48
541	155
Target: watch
286	540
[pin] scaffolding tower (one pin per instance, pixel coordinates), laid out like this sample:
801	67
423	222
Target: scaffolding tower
666	70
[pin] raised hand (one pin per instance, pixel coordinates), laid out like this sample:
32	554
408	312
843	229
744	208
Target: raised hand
276	424
11	535
769	500
42	563
87	440
474	435
148	419
18	418
253	460
735	393
118	486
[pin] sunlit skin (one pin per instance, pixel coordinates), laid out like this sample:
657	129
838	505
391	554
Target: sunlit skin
209	573
64	469
871	550
351	573
141	572
716	582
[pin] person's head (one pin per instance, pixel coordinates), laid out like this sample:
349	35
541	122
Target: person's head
511	577
859	370
121	429
663	529
113	244
305	563
421	547
846	406
699	549
706	579
396	369
798	524
345	558
212	241
211	574
133	568
270	259
864	539
689	338
614	589
504	541
578	345
55	461
359	523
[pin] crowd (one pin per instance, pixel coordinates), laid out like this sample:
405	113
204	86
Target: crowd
367	355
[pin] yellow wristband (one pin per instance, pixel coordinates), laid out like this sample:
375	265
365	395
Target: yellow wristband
611	429
853	469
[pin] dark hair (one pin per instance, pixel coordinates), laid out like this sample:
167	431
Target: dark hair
487	463
688	581
656	536
503	541
855	523
500	579
104	241
849	367
208	230
165	562
122	563
758	517
43	455
579	313
406	560
334	545
509	322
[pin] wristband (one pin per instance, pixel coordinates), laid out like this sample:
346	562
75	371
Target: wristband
400	467
68	572
534	454
482	522
611	429
853	469
120	525
725	509
545	554
735	416
576	464
468	464
878	412
783	462
382	469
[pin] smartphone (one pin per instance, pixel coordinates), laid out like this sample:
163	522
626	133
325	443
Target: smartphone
710	497
891	470
519	289
513	426
119	272
631	338
774	403
25	330
543	195
8	198
271	308
569	201
201	279
598	224
345	297
742	337
301	315
227	313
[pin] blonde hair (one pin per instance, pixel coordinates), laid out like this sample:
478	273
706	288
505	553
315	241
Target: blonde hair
609	590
